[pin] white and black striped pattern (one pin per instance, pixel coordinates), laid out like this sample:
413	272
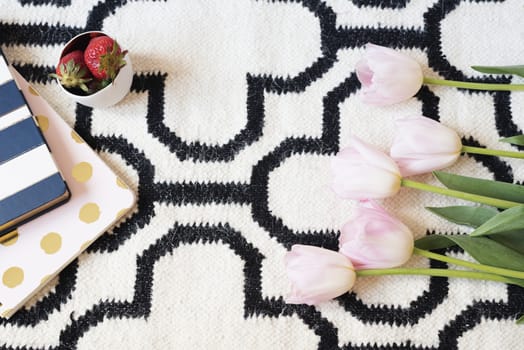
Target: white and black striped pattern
235	109
29	177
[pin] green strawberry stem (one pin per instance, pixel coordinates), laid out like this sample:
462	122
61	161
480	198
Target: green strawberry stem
72	76
475	266
439	273
474	86
492	152
498	203
112	61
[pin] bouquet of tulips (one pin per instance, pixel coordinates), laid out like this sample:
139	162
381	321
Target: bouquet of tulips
374	242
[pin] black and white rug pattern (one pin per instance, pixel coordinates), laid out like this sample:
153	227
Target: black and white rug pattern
236	107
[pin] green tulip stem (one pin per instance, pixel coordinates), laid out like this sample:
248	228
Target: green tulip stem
492	152
439	273
471	265
498	203
474	86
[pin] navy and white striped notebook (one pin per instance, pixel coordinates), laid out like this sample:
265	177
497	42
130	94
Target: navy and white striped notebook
30	182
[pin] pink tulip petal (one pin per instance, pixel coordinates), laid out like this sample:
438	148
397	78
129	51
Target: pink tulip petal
361	171
375	239
422	145
373	155
317	274
364	73
387	76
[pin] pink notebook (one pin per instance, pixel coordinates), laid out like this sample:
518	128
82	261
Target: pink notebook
40	249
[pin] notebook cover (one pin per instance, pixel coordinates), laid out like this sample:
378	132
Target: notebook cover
41	248
30	182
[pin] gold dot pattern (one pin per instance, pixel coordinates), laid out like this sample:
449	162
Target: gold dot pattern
11	239
89	213
82	172
43	122
13	277
32	91
121	183
76	137
51	243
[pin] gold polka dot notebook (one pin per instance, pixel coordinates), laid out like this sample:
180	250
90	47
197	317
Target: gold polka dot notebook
41	248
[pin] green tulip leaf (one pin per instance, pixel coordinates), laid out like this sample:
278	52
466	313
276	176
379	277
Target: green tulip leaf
513	240
507	228
519	282
514	140
485	250
433	242
487	188
521	320
465	215
514	70
489	252
509	220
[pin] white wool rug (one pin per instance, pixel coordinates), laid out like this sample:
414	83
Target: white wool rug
235	109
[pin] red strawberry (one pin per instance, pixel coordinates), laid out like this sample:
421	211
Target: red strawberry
104	58
72	72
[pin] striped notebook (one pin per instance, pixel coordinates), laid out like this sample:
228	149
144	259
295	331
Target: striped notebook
30	182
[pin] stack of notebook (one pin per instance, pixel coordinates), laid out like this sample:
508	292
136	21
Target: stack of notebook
30	182
43	245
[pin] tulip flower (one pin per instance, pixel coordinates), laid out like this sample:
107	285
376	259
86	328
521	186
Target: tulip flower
387	76
317	274
361	171
375	239
422	145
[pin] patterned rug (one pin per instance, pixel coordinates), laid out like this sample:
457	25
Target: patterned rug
236	107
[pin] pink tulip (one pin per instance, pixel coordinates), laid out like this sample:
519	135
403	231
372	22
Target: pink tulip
422	145
361	171
374	239
317	274
387	76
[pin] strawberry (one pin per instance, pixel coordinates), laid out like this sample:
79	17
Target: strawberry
72	72
104	58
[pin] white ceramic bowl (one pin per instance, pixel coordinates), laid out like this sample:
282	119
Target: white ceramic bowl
111	94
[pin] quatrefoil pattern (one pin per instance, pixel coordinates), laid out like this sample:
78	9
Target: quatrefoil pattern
234	111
